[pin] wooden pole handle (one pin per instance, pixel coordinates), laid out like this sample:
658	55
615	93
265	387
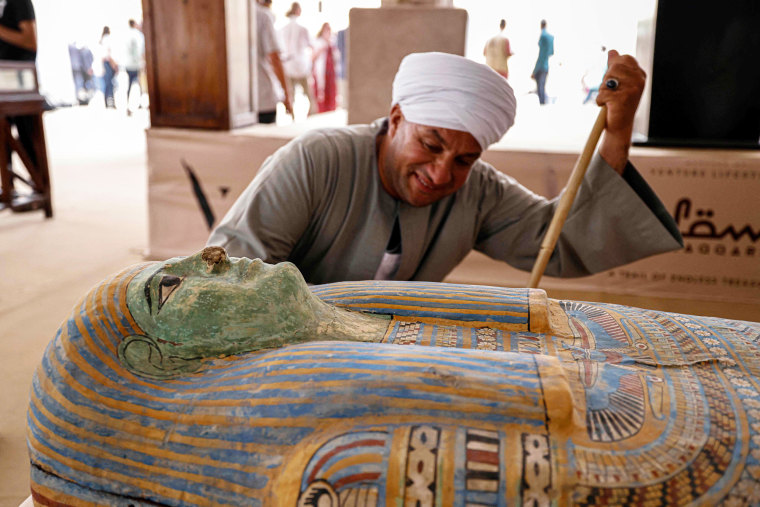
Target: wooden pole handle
566	201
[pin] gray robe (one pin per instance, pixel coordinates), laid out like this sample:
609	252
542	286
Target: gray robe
318	202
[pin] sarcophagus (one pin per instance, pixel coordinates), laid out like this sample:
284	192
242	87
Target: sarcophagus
208	380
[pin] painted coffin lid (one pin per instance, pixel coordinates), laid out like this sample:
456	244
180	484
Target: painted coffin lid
620	405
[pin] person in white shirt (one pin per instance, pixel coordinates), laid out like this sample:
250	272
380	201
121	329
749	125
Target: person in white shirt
269	68
134	58
296	59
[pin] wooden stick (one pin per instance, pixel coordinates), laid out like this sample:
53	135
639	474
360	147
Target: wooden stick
566	201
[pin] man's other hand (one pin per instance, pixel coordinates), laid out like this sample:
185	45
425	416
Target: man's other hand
621	101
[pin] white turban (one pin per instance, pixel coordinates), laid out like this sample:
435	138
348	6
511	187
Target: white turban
450	91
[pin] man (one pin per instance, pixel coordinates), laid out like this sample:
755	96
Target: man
407	197
135	56
497	51
267	64
297	57
541	69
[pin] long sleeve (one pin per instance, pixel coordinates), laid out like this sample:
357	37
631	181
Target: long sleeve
614	220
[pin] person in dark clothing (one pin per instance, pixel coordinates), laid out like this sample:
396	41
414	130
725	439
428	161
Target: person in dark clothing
18	31
541	70
18	42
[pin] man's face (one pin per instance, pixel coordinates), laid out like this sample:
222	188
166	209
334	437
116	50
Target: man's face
420	164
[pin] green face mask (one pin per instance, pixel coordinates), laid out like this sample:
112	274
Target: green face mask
209	305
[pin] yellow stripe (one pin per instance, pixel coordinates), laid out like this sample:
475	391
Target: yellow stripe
308	372
434	354
109	360
358	459
180	418
98	319
427	299
154	448
98	452
353	290
426	336
222	420
389	332
123	285
505	380
157	435
468	311
396	482
464	324
467	339
59	496
110	310
115	476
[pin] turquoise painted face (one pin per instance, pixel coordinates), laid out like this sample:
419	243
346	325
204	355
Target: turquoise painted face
210	305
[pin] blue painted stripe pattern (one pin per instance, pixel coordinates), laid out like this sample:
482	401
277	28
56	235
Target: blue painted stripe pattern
497	306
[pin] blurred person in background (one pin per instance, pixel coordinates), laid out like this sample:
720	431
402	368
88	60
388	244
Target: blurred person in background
81	70
267	5
541	69
497	51
134	59
110	67
296	60
325	59
342	43
269	68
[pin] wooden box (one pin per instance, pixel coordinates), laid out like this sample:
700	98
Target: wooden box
200	60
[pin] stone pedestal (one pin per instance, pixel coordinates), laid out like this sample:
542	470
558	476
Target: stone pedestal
378	39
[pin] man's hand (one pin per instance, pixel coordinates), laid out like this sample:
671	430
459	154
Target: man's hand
274	59
288	105
621	103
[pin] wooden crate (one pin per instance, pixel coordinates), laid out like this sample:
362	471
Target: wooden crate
200	59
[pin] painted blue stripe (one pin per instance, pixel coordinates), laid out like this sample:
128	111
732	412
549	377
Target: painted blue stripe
343	440
482	497
502	363
214	494
463	317
223	455
260	371
97	497
247	479
500	340
258	364
460	460
405	289
247	434
358	469
317	409
402	287
496	305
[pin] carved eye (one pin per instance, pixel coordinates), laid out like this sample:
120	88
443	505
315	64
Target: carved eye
166	288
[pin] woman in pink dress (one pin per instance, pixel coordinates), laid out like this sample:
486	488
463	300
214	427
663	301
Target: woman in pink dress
325	59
